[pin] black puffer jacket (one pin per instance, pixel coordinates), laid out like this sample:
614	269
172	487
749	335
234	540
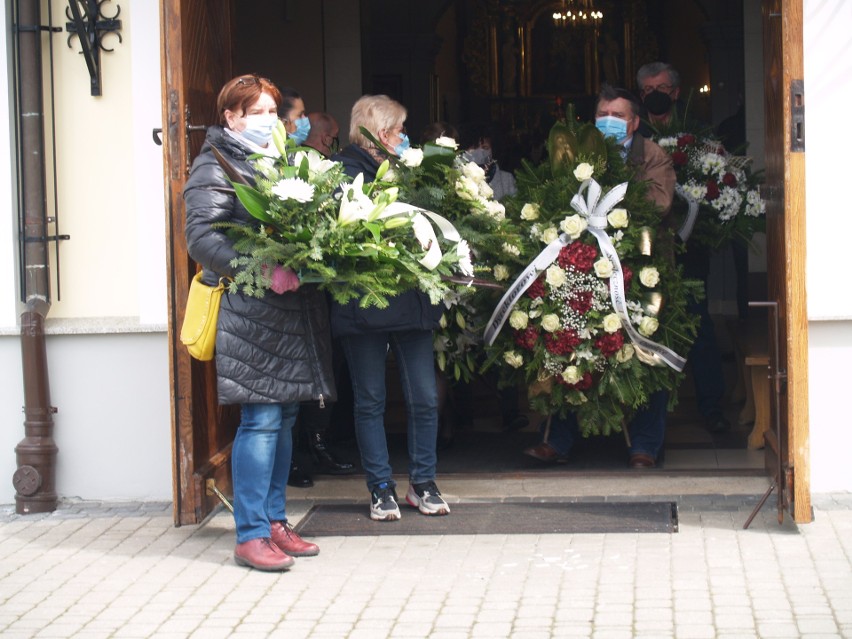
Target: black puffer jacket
411	310
275	349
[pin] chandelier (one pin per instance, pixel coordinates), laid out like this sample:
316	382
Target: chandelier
577	13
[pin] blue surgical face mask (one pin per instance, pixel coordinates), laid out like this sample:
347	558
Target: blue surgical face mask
480	156
259	128
303	127
403	145
612	127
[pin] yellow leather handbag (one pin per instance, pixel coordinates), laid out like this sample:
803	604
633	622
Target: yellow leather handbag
198	332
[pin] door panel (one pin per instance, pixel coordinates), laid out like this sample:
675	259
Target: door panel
785	229
196	40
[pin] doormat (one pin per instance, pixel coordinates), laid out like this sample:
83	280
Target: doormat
497	518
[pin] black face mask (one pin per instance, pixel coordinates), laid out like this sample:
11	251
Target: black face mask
658	103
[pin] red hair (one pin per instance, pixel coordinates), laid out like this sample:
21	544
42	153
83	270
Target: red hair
241	92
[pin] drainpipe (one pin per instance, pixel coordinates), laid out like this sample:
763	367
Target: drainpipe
35	477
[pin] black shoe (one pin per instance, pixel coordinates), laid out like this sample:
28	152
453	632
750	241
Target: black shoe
324	460
298	478
716	423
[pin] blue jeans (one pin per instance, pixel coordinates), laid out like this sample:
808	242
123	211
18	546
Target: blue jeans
647	428
260	464
367	356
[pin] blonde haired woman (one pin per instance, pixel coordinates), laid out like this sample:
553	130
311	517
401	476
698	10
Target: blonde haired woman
405	327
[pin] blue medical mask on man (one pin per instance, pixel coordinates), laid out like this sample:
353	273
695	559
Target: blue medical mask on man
303	127
612	127
403	145
259	128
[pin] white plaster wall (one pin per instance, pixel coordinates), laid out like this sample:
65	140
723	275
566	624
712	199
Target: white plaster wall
109	176
828	90
828	94
8	206
106	345
112	426
829	353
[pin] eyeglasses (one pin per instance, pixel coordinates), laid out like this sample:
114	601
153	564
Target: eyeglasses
664	88
249	80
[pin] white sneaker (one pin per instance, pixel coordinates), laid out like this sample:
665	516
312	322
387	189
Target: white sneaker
427	499
383	506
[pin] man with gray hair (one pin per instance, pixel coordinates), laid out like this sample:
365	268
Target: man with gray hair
659	89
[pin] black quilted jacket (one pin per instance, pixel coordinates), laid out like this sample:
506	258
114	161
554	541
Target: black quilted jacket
275	349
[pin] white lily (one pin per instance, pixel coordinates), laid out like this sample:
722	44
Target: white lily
354	203
317	164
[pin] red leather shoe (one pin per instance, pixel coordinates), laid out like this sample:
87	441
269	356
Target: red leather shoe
546	453
289	542
641	460
262	554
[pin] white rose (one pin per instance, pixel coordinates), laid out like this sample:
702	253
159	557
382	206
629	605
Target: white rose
573	226
555	276
466	188
584	171
501	272
496	210
617	218
625	353
571	375
511	249
447	142
649	276
474	172
603	268
485	190
530	211
513	359
611	323
518	320
412	157
648	326
550	322
549	234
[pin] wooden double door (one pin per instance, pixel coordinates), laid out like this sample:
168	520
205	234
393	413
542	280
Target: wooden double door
197	59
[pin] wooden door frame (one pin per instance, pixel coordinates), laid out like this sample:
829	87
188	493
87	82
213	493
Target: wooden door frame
198	458
787	167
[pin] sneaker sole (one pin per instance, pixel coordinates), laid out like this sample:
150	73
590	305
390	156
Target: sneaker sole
440	510
387	517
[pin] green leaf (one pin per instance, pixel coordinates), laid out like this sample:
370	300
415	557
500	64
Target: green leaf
435	154
256	203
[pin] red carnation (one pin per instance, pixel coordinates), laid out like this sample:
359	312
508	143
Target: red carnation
561	342
536	289
628	275
679	158
585	382
729	179
712	190
581	302
579	255
685	140
610	343
527	338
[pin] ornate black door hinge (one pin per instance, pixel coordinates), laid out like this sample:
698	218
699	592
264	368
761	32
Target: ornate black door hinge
90	25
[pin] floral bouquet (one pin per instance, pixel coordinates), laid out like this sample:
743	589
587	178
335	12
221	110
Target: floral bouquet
719	189
598	318
437	177
355	240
